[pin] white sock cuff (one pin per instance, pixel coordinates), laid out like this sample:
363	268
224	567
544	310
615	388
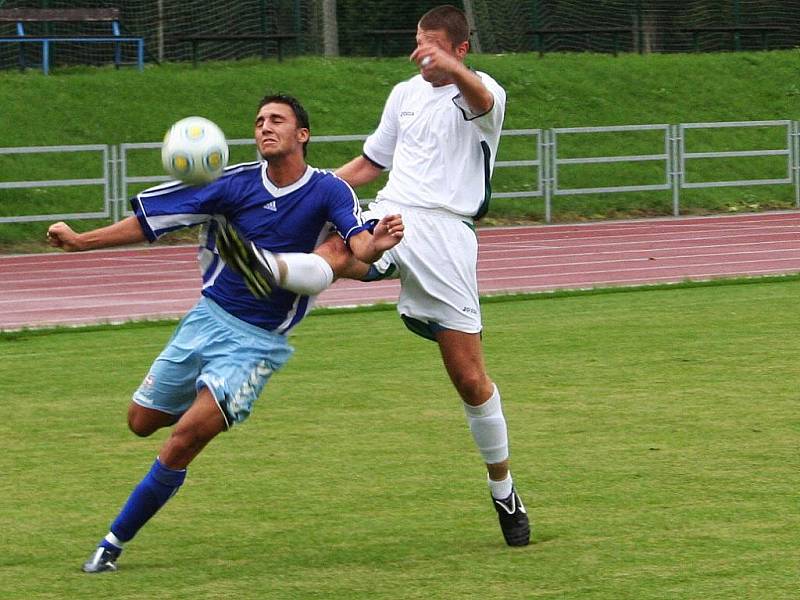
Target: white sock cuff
501	489
307	274
112	539
490	407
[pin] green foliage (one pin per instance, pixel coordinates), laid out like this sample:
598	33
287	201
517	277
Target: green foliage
653	438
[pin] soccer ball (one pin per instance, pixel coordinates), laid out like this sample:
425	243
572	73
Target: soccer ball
194	151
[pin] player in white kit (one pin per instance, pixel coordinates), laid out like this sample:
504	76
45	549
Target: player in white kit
438	138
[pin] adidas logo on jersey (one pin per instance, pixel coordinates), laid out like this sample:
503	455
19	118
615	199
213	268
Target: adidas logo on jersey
271	206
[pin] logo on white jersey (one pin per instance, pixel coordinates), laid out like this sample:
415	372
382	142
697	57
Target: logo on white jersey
271	206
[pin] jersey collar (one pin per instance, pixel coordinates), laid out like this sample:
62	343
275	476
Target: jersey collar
276	191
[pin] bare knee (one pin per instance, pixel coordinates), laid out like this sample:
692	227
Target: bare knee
140	427
145	421
474	387
463	360
341	260
138	424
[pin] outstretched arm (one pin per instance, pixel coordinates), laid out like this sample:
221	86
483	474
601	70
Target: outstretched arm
127	231
359	171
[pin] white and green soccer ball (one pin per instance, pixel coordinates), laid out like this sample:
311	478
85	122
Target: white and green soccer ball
194	151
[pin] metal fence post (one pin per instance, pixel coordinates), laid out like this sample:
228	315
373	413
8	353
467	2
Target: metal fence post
111	170
676	170
541	168
794	148
121	199
547	166
123	174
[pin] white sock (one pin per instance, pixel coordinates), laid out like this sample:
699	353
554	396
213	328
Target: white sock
488	427
112	539
307	274
501	489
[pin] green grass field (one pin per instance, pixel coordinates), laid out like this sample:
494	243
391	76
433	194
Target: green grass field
654	438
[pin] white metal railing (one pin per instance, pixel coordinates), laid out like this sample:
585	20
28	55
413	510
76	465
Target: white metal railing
543	161
107	181
785	151
554	189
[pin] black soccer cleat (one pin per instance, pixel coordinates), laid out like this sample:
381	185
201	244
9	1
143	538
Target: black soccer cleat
102	560
513	519
247	260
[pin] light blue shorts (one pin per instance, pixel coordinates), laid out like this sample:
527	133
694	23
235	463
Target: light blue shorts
213	349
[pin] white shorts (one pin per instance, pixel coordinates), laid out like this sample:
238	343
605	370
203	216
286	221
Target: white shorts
437	265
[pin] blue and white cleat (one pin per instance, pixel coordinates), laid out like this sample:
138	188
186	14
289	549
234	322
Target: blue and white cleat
104	559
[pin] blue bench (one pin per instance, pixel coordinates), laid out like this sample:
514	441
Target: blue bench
22	16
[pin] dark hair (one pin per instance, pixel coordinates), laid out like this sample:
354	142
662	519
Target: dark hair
300	114
449	18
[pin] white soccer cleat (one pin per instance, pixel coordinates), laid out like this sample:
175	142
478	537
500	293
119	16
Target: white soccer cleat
102	560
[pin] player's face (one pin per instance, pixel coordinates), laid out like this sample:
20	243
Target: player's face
277	133
438	38
435	37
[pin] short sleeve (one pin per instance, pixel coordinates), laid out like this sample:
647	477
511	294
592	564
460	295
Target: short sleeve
175	205
344	210
492	120
379	146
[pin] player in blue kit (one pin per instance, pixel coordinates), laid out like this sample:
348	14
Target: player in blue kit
227	347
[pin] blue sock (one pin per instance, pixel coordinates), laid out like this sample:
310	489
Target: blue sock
158	486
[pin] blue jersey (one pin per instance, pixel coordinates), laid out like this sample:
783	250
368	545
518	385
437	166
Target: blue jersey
291	219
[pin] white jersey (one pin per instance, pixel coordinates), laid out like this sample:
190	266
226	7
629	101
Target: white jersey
440	153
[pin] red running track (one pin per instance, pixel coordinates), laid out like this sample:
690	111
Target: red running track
128	284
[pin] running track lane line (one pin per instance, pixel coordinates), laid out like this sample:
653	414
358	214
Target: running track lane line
163	281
